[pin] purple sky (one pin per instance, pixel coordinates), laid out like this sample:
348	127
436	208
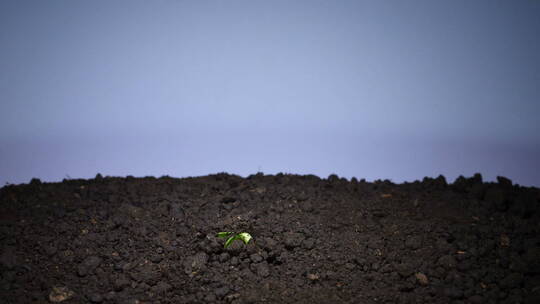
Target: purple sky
393	90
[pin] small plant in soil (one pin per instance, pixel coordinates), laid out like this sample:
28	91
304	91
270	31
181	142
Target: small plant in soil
244	236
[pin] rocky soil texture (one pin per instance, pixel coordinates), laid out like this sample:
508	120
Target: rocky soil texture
152	240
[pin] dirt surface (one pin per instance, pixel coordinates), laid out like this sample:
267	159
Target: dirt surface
152	240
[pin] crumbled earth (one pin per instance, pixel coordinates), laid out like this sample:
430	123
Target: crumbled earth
152	240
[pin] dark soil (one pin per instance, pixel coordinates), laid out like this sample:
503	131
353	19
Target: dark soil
149	240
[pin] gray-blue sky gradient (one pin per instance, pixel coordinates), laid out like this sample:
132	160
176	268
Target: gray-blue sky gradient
372	89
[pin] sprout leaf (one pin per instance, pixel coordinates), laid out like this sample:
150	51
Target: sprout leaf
230	240
244	236
224	234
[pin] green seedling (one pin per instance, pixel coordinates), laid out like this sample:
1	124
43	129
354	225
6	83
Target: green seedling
244	236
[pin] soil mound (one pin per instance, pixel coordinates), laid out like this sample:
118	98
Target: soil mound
153	240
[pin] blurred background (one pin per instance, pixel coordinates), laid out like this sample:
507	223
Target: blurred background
393	90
